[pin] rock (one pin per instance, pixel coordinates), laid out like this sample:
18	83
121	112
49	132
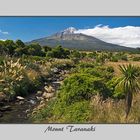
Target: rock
48	89
39	92
62	72
2	96
20	98
58	82
5	108
41	106
28	110
21	102
49	79
39	98
32	102
61	78
55	70
45	83
48	95
42	102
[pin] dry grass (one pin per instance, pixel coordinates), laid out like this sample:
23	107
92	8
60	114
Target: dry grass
115	65
111	111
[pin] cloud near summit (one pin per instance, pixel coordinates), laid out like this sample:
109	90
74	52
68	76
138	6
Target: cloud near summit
128	36
4	32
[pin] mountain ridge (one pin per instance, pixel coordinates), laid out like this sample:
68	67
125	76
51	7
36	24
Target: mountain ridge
69	39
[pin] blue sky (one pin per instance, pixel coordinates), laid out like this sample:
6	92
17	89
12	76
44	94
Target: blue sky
29	28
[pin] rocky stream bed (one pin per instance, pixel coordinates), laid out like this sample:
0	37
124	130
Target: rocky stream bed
19	111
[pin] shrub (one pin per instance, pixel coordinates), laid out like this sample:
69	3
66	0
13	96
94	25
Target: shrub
58	52
124	57
114	59
78	112
116	91
110	69
12	75
86	65
136	59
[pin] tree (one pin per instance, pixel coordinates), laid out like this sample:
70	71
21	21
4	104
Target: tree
35	50
10	46
47	48
130	83
19	43
58	52
2	50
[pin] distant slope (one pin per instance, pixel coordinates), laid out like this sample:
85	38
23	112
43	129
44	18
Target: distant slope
69	39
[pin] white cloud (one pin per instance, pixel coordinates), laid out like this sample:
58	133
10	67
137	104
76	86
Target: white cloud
128	36
4	32
2	39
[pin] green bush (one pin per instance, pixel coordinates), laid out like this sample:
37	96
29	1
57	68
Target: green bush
114	59
58	52
78	112
136	59
116	91
86	65
124	57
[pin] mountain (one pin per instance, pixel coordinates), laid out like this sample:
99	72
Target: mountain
69	39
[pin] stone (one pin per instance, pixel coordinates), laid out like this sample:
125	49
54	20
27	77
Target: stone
39	92
55	70
48	95
48	89
21	102
61	78
41	106
28	110
32	102
42	102
39	98
20	98
58	82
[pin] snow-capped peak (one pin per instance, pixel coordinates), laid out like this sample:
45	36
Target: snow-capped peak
69	30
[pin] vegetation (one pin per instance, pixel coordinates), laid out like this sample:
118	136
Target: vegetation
97	89
129	82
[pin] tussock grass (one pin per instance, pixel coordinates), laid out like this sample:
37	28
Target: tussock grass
112	111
